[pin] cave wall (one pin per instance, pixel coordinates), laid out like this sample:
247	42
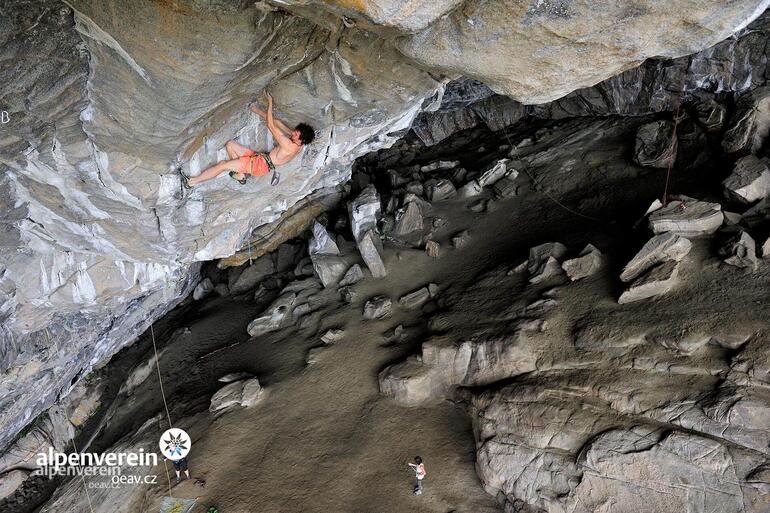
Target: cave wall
107	98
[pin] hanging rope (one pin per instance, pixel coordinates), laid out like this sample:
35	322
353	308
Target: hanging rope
675	144
165	404
160	378
674	140
537	187
83	478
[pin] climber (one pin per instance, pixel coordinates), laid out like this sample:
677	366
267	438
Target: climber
245	161
419	471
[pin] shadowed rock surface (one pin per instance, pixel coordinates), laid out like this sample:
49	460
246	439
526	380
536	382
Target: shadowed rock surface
626	360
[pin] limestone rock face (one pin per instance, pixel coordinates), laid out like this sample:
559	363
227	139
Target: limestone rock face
477	40
98	239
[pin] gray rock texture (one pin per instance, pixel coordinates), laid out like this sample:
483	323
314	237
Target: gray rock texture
687	217
98	239
655	145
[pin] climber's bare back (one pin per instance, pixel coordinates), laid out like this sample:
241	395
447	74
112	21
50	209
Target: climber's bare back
284	151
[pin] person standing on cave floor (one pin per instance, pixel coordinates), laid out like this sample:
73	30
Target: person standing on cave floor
245	161
419	471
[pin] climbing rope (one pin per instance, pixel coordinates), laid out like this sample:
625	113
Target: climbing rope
160	378
165	404
536	185
674	143
82	477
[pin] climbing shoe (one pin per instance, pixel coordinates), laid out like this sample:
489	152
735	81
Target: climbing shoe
234	176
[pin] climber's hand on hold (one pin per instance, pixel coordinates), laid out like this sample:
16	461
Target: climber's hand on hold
268	97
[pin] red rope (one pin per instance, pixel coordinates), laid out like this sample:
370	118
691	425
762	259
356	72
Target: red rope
675	144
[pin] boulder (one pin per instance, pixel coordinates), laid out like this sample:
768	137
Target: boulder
304	267
10	481
492	174
415	187
378	307
655	281
409	220
547	270
711	115
329	268
506	187
275	317
586	264
439	189
227	396
260	269
370	247
539	255
661	248
749	125
749	181
740	251
655	145
322	243
352	276
287	256
203	289
415	299
364	212
470	189
439	165
766	248
460	239
333	335
687	217
252	393
243	393
347	294
432	248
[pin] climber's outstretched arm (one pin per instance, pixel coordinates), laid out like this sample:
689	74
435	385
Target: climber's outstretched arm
283	139
263	114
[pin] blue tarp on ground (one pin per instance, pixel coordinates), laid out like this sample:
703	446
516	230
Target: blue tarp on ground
174	505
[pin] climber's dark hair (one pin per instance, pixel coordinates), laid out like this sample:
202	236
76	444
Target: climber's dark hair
306	133
418	460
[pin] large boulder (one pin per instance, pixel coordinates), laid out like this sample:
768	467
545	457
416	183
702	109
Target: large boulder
687	217
661	248
750	124
653	282
275	317
243	393
655	145
749	181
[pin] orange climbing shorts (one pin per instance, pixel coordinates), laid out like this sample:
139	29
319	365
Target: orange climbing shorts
253	163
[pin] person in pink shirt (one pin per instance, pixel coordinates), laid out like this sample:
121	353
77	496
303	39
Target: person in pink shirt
419	471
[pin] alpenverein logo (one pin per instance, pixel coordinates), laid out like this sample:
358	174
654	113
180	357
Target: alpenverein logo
175	444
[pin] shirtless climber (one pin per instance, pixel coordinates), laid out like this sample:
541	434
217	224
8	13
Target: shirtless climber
245	161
